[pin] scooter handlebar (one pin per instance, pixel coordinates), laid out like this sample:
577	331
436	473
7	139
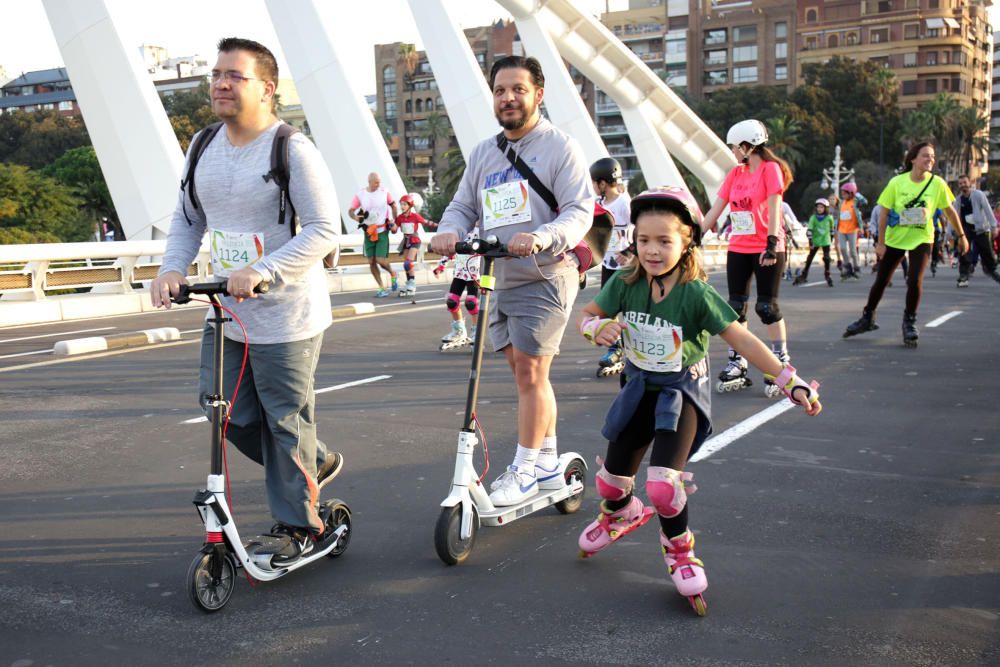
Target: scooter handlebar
221	288
490	246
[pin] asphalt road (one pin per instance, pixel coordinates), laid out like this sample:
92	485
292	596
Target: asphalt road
866	536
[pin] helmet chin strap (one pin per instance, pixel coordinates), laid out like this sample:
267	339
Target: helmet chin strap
659	279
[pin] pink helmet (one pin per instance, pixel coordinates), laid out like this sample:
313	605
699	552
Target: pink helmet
850	186
679	200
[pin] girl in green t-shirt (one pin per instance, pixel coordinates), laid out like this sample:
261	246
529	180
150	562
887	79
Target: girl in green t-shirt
667	312
820	226
906	225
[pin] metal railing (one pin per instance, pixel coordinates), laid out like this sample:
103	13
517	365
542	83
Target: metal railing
27	272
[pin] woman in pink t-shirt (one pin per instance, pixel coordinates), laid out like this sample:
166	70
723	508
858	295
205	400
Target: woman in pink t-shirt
752	191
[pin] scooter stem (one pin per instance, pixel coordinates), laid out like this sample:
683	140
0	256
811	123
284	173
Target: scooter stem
217	401
486	287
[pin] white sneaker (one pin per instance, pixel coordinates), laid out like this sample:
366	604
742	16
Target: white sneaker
512	487
549	478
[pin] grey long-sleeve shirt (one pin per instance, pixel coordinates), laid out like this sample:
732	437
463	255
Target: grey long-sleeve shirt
557	160
235	198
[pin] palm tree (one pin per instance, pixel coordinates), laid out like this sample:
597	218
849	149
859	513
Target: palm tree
783	138
408	58
452	174
437	127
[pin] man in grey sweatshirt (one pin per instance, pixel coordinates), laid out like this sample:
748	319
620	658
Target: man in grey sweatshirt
272	419
535	289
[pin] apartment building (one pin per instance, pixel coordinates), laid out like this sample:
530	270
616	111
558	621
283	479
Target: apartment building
699	47
40	90
931	46
412	110
994	156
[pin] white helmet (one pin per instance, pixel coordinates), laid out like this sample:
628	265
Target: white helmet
749	131
824	201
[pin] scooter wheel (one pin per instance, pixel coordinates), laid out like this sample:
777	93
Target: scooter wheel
211	580
575	471
339	515
450	546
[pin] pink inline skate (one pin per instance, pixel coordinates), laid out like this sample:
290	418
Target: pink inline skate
612	526
686	571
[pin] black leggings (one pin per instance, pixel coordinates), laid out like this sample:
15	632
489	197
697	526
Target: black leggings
919	257
671	449
826	258
741	267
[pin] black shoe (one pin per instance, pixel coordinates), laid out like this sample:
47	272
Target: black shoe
331	468
286	545
865	323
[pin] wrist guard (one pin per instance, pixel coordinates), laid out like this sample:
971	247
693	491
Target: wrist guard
789	383
592	326
771	251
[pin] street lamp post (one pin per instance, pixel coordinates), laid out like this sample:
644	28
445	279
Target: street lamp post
833	176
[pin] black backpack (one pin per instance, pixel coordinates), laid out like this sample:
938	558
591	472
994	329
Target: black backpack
279	169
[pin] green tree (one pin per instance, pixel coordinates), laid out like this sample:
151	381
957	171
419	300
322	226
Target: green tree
453	171
407	57
36	138
79	169
858	98
188	112
39	204
784	135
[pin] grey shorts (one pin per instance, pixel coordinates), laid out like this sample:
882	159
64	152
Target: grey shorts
533	317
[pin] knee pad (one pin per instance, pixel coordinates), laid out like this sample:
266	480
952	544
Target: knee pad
407	266
739	304
452	301
768	311
613	487
472	304
666	491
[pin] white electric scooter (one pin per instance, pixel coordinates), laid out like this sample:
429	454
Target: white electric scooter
212	575
469	504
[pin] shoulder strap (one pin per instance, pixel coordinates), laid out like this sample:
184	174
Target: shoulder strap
913	202
526	172
201	141
280	172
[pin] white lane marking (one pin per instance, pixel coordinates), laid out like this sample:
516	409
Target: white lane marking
49	335
818	282
352	384
355	383
944	318
193	331
737	431
405	303
25	354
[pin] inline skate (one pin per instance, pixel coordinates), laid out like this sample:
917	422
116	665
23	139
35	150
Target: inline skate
612	363
734	376
457	337
864	323
801	278
772	390
910	333
686	571
409	289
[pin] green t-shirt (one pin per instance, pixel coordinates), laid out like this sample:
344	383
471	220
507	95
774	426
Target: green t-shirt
899	193
695	307
820	228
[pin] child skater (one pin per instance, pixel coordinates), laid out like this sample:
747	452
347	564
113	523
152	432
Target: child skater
667	314
465	277
820	224
408	222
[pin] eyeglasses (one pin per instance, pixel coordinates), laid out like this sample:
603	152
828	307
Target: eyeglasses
232	78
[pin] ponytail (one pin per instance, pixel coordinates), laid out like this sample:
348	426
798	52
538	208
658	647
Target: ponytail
768	155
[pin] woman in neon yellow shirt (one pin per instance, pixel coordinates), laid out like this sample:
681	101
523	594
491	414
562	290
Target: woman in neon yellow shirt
906	225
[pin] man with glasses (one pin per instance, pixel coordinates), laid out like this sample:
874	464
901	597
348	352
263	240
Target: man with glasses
272	420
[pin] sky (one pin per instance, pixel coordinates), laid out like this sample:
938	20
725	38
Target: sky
187	27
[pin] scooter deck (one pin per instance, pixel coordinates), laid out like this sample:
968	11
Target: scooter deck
540	500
